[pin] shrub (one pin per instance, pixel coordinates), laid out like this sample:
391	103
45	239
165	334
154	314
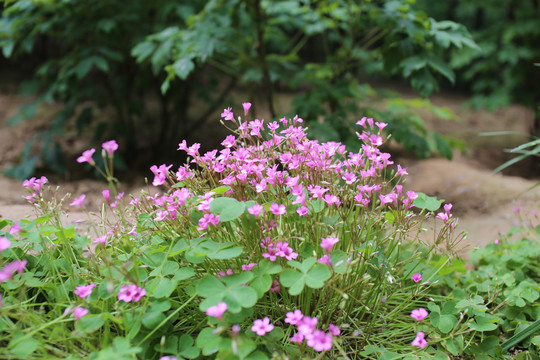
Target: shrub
143	73
276	246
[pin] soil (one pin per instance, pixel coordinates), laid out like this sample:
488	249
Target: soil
483	201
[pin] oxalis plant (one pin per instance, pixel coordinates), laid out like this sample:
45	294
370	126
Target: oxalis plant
274	247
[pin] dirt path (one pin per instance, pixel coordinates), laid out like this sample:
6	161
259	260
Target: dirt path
483	201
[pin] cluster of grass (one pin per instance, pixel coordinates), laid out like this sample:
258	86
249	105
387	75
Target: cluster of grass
274	247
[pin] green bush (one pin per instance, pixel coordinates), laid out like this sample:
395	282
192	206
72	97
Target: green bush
153	64
500	71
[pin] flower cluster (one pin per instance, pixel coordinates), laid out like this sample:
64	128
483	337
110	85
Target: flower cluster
315	338
34	186
294	202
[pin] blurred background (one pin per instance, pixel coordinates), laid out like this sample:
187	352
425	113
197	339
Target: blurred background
454	79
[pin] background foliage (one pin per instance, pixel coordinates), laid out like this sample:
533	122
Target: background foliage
154	72
501	70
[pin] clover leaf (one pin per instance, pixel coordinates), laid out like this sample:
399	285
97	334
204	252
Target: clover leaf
311	274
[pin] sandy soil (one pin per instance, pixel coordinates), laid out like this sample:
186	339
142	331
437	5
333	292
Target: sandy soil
483	201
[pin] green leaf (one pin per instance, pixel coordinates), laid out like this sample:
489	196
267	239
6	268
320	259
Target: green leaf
180	246
143	50
316	277
292	279
447	323
429	203
221	190
89	323
227	208
184	273
152	319
208	341
453	346
240	296
186	348
442	68
339	261
257	355
268	267
261	284
162	287
482	323
24	348
412	64
209	286
183	67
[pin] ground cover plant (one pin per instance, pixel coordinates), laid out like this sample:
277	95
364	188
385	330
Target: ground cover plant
275	246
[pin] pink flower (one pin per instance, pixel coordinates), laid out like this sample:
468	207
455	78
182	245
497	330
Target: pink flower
294	317
333	329
227	114
412	195
168	358
326	260
84	290
248	267
217	311
261	327
4	243
246	106
106	195
275	287
206	220
302	210
387	199
319	341
87	157
131	293
317	191
447	208
229	141
380	125
277	209
349	177
331	200
496	241
160	174
419	340
307	325
6	272
443	216
78	201
297	338
416	277
100	240
34	184
110	147
15	228
222	273
401	171
419	314
79	312
255	210
328	243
